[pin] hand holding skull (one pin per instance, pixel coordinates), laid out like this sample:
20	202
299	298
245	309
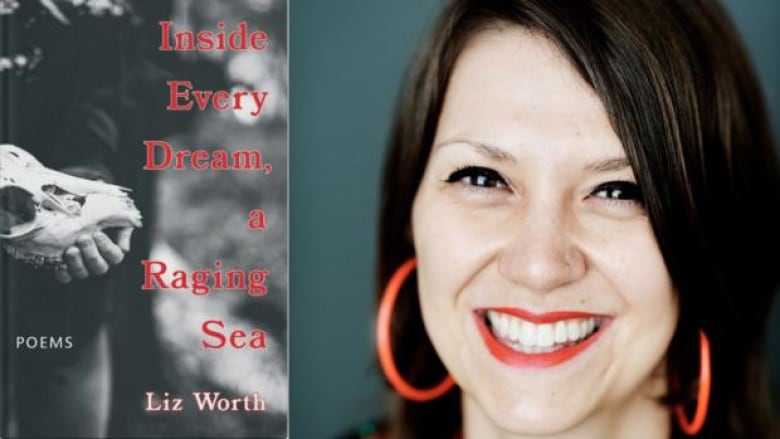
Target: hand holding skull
55	220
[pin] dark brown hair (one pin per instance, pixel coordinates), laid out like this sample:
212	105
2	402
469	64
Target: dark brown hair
683	99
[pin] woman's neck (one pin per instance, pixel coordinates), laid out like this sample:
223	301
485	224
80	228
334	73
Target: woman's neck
639	418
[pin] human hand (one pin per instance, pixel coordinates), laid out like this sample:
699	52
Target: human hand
93	255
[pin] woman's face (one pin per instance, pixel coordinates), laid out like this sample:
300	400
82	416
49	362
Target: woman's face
541	284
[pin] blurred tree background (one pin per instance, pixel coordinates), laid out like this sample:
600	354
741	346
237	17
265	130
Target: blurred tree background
202	217
59	52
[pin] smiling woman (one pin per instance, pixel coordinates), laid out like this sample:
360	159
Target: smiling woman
548	236
569	189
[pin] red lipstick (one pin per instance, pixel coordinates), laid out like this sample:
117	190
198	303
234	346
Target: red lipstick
513	358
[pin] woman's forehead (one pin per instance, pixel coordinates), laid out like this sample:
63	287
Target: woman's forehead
515	89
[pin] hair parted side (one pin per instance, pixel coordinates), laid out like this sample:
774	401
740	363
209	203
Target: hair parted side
683	99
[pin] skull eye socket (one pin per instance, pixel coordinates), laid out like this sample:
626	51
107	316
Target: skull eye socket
16	207
70	201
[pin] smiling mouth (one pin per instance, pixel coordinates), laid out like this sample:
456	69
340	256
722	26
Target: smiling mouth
522	339
531	338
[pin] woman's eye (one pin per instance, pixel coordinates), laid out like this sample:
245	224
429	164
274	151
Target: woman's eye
619	191
477	176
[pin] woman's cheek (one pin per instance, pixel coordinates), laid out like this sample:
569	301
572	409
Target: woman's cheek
629	259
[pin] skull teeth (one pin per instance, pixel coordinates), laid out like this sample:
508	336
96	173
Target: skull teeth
39	261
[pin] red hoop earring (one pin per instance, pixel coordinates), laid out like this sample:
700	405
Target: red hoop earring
385	349
692	428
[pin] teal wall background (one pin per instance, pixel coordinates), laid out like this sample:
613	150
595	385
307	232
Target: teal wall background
347	59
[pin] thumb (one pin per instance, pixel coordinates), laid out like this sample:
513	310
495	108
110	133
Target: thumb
123	238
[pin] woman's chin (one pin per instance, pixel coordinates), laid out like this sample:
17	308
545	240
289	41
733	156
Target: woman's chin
529	414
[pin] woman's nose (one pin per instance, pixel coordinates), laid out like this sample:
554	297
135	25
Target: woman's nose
540	253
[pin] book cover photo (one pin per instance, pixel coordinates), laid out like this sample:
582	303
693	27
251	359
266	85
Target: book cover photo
143	218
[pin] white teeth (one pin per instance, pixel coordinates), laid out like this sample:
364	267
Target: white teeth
528	334
561	333
514	329
531	338
502	322
499	322
545	336
573	330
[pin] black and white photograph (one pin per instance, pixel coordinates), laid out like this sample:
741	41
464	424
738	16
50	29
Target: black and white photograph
143	218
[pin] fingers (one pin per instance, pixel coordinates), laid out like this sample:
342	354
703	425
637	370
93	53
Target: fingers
75	264
110	252
123	238
62	275
91	256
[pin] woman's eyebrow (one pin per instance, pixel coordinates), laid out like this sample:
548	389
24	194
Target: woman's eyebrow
609	165
489	151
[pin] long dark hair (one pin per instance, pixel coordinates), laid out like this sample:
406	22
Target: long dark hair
683	99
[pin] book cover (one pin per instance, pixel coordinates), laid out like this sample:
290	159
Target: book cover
143	216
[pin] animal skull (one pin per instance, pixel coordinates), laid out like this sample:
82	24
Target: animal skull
43	212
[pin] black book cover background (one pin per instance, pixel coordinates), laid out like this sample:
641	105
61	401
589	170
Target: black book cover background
96	93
